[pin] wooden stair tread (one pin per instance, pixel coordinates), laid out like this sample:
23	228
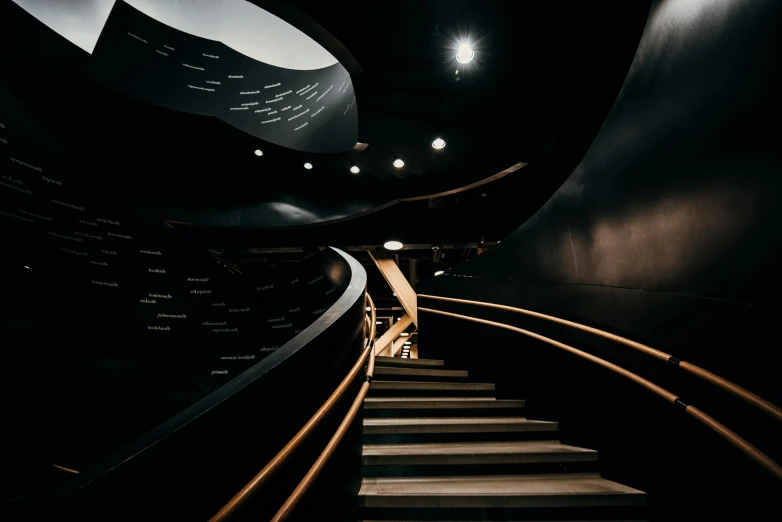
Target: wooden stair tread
502	491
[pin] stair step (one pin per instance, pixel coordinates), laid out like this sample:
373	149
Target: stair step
455	425
419	372
417	403
501	491
474	453
431	385
409	363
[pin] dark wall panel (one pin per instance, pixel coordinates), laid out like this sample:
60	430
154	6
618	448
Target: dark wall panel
665	233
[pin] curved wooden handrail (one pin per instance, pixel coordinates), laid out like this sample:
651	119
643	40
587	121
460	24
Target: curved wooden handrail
733	388
750	450
290	504
63	468
279	459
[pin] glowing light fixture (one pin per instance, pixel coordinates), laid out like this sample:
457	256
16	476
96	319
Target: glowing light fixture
354	169
393	245
308	166
258	152
439	272
379	322
404	334
438	144
27	267
399	163
465	54
369	309
408	343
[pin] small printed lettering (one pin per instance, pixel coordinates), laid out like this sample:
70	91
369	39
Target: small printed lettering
103	283
22	211
138	38
74	207
156	270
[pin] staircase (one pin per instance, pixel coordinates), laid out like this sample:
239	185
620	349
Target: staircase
437	447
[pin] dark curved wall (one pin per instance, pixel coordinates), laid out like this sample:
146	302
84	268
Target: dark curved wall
667	233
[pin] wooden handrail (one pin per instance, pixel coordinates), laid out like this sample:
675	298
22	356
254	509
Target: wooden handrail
750	450
63	468
290	504
742	393
275	463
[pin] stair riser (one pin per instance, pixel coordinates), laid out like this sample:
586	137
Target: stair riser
412	438
416	374
387	413
409	363
478	469
430	393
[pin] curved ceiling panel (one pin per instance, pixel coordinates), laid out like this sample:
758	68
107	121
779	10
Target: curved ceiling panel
270	90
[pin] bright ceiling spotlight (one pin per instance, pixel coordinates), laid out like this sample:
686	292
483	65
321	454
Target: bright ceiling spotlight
354	169
393	245
404	334
398	163
368	309
258	152
439	272
465	53
438	144
308	166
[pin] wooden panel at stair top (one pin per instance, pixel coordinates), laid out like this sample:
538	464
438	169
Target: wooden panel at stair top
456	403
397	281
419	372
502	491
401	426
431	386
409	363
515	452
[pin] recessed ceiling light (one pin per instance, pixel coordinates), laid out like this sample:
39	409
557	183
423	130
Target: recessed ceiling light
27	267
354	169
369	309
465	53
393	245
258	152
439	272
308	166
399	163
404	334
438	144
398	318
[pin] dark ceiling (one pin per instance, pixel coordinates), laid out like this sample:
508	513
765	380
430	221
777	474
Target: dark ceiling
544	77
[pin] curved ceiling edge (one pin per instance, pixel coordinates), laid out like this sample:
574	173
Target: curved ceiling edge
376	208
